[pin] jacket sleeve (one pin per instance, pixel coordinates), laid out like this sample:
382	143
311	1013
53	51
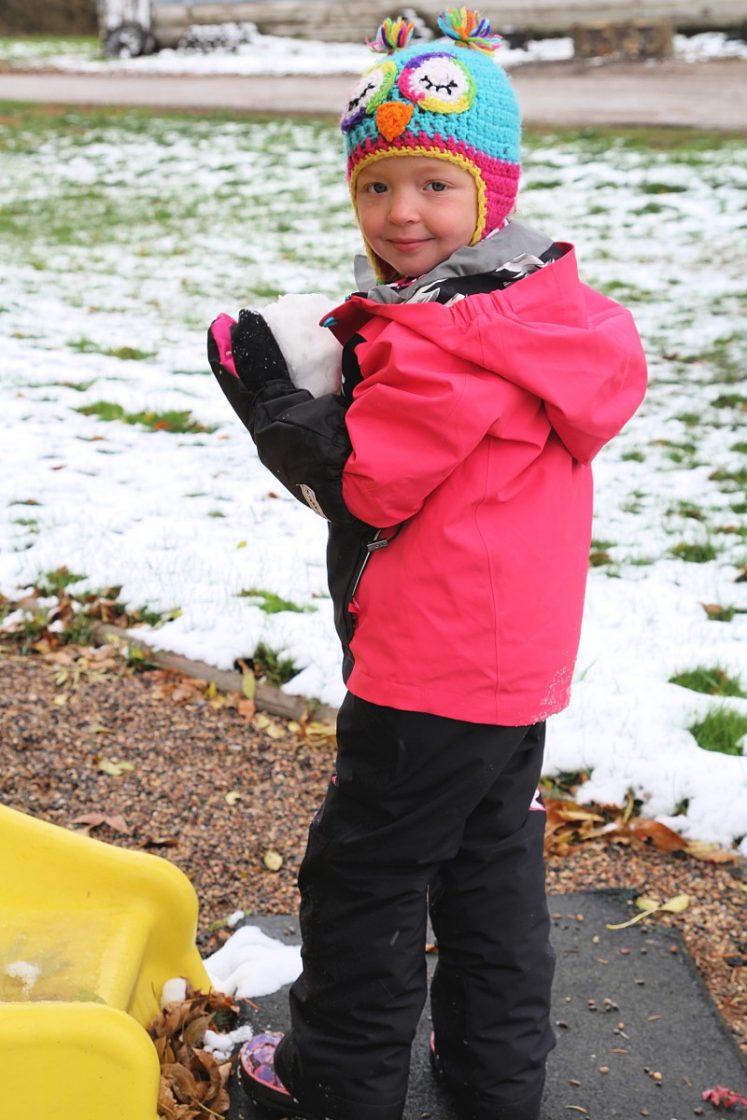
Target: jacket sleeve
415	416
304	442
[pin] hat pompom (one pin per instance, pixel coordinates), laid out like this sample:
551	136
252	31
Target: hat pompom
392	35
468	29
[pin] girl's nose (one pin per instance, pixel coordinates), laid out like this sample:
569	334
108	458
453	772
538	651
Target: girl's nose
402	207
392	118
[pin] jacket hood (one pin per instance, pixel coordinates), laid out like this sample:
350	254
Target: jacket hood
549	334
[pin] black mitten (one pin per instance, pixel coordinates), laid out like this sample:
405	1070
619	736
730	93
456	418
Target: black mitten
256	354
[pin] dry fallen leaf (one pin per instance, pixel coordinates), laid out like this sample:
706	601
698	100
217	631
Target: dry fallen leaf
115	769
649	906
570	824
193	1084
94	820
320	734
272	860
709	853
664	839
233	796
274	730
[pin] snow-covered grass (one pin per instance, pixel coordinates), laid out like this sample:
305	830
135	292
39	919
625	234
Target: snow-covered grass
123	235
250	52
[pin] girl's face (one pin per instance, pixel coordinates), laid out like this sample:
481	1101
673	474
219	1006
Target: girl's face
415	211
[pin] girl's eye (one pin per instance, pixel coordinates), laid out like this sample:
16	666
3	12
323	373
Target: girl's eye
438	186
438	83
371	188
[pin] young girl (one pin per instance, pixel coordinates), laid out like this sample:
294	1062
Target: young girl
479	378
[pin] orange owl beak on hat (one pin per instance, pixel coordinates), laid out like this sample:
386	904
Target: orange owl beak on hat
392	118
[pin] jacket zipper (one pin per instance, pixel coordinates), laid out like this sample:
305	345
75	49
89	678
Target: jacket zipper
376	544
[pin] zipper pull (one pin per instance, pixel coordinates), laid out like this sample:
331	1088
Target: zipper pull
377	544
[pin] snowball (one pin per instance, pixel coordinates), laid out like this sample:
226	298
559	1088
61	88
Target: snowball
312	352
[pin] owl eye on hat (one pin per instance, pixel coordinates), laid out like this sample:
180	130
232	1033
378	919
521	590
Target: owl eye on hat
446	100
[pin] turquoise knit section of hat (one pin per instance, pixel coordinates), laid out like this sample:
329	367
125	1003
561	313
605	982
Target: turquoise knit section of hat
489	120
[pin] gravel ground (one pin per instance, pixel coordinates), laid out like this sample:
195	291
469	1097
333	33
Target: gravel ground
223	793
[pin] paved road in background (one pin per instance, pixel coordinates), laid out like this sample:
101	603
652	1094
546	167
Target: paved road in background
693	95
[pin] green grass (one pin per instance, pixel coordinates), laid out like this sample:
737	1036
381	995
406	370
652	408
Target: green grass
724	361
622	291
124	353
651	208
682	453
662	188
153	618
713	681
271	665
737	477
720	730
178	422
542	184
271	603
687	509
720	612
57	580
695	553
730	400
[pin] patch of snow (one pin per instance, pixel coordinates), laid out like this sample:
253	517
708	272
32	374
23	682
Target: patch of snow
708	45
174	991
240	49
26	972
222	1044
252	964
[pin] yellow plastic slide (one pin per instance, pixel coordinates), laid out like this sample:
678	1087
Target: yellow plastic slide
89	933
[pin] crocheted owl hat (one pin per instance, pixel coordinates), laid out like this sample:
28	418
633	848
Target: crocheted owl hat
447	99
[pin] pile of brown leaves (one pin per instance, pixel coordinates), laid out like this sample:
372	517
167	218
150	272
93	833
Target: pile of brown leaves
570	824
193	1084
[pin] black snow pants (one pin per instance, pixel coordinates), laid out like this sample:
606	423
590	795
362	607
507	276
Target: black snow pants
423	811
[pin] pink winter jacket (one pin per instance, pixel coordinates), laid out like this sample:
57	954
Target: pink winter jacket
473	428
